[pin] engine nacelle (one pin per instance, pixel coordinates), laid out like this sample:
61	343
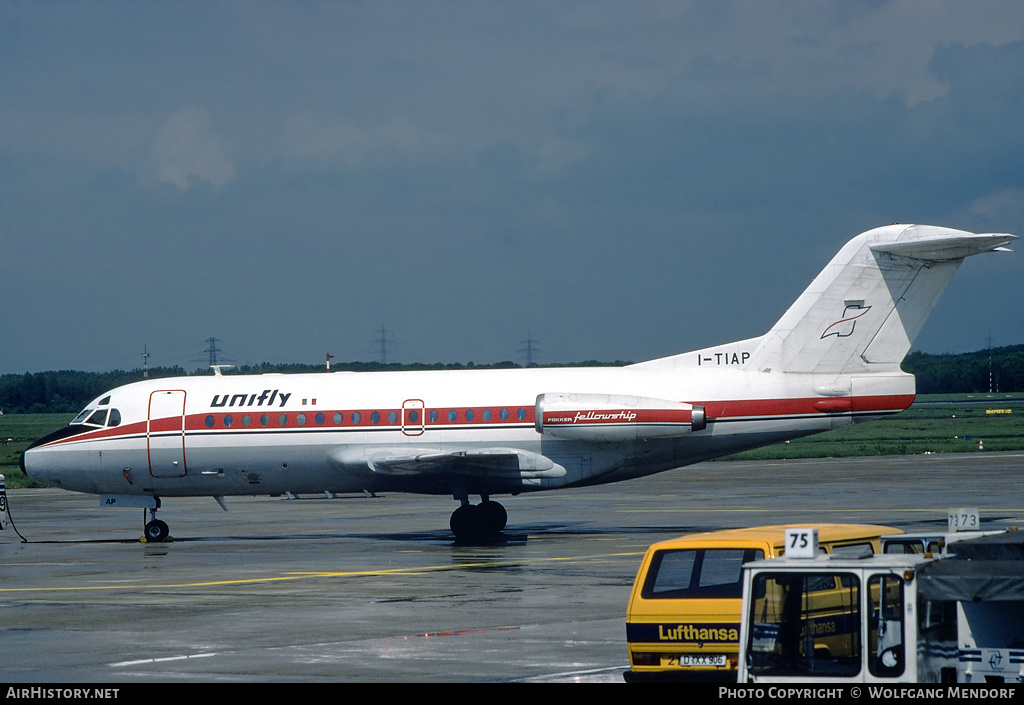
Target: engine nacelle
614	417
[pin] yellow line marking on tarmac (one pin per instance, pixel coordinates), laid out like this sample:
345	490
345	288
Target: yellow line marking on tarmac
324	574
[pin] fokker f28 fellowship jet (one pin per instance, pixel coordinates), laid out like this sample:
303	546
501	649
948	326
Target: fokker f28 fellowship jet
831	360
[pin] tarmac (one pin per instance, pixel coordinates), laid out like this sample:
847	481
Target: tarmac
375	589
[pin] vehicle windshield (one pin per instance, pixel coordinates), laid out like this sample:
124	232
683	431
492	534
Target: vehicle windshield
804	624
698	573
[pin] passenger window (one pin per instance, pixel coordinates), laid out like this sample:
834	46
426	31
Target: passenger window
469	414
375	417
393	416
487	415
452	415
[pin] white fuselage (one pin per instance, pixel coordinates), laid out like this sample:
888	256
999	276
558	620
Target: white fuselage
346	431
833	358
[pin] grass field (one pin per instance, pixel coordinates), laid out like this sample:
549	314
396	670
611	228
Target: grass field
962	423
946	423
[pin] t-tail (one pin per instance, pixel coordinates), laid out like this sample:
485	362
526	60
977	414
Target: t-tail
863	312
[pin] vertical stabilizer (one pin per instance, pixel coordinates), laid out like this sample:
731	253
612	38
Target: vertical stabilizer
862	313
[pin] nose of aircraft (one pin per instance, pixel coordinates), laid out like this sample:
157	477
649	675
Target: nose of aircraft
33	460
29	466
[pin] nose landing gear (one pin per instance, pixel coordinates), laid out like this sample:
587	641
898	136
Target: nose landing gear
155	530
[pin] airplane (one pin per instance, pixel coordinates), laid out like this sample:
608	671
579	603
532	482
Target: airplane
832	359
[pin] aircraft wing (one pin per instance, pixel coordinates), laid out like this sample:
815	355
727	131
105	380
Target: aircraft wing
503	463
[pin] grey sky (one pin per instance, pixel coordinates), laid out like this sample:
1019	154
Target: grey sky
615	180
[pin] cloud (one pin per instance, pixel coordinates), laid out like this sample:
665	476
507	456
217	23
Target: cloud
187	149
311	136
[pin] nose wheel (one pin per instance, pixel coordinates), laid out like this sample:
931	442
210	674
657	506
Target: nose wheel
155	530
478	521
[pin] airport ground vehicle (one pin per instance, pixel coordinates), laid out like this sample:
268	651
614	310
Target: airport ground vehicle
888	618
684	611
963	523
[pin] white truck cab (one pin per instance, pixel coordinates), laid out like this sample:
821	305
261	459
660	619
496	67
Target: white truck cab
887	618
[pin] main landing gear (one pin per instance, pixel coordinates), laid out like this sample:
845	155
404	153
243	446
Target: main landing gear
478	521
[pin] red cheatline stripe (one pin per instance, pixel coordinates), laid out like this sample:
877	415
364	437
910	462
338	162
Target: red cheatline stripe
715	411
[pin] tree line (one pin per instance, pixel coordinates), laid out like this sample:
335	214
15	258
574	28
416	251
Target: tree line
68	391
995	369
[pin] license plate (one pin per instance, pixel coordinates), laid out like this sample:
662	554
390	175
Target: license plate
701	660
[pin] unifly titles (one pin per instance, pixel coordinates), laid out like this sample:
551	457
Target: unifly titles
268	398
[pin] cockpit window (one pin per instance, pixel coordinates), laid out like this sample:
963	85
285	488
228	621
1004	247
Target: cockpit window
99	418
105	400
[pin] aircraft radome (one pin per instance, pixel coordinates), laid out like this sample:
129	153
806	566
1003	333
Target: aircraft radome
831	360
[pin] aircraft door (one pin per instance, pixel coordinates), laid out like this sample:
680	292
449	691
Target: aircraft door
413	422
165	433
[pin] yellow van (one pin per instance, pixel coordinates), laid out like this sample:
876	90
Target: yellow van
683	620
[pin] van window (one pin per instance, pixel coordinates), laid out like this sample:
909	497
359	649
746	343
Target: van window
853	550
697	573
908	546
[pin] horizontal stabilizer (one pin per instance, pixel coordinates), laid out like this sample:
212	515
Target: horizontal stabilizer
944	246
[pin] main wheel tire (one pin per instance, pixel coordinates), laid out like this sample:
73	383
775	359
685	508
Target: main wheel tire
465	521
493	517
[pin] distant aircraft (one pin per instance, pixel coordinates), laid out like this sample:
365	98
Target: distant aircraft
831	360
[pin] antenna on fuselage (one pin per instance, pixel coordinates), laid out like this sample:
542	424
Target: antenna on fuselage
145	362
218	369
